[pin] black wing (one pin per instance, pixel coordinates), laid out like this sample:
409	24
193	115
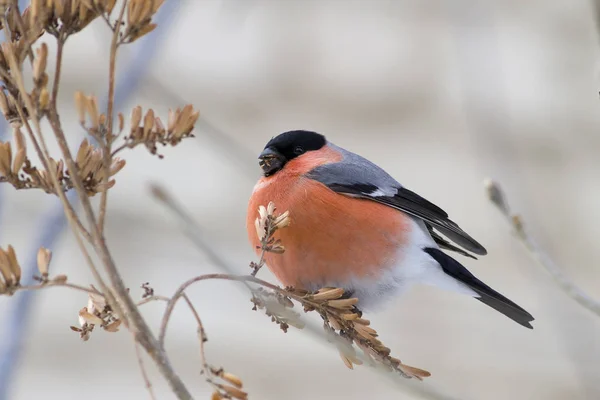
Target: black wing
411	203
446	245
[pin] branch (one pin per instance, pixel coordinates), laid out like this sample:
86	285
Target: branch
497	197
140	361
108	139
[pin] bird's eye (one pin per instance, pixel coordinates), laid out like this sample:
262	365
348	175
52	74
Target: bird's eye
298	150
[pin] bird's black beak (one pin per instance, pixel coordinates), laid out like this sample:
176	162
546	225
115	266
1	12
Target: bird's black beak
271	161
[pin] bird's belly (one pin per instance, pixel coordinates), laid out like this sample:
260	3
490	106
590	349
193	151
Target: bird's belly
336	240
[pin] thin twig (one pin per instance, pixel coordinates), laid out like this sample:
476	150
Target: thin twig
140	361
50	284
497	197
60	45
108	139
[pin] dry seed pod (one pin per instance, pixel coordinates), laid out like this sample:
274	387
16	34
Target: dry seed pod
234	380
5	270
366	329
343	303
282	221
5	159
346	361
121	122
113	326
19	140
413	371
96	302
116	166
40	63
44	256
148	122
44	98
334	323
234	392
328	294
14	264
4	107
142	32
80	104
350	316
92	109
89	317
60	279
102	187
18	162
136	117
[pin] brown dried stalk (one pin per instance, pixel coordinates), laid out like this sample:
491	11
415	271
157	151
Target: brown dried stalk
63	18
498	198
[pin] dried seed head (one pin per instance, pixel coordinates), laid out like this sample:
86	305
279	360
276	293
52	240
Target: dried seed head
14	264
413	371
80	104
96	303
20	158
116	166
328	294
44	99
113	326
40	62
92	110
44	256
4	107
233	379
343	303
5	159
121	122
282	221
86	317
234	392
136	117
10	271
60	279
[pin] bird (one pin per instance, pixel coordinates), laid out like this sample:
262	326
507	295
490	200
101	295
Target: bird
353	226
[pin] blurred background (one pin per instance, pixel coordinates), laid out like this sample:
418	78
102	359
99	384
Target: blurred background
442	94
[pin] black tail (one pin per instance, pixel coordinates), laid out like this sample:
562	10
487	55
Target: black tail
487	295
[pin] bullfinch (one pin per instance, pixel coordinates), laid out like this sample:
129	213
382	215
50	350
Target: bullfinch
355	227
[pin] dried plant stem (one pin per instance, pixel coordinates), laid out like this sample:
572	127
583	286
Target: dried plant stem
50	284
180	292
107	144
201	336
140	361
497	197
57	71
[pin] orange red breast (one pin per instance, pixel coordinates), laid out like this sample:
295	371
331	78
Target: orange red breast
332	238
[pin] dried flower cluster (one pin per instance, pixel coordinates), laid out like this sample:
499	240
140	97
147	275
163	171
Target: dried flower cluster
266	224
229	387
139	17
97	313
342	319
150	131
10	271
19	172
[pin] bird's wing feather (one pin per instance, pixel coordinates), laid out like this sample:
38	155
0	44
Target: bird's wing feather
357	176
